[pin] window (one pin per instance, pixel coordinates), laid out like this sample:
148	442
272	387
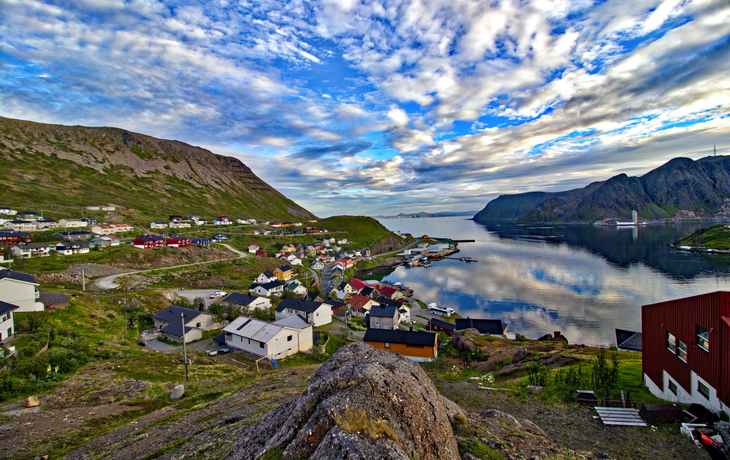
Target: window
671	343
414	346
288	339
703	338
261	344
682	350
387	344
673	387
197	324
703	390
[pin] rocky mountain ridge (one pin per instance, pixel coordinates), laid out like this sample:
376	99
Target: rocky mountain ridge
80	166
680	189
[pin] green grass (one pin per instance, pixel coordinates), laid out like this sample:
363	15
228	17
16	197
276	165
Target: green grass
715	237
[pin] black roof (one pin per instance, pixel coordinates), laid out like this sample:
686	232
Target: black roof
367	291
240	299
220	338
383	311
7	307
175	329
484	326
268	274
18	276
335	303
172	313
443	324
285	268
405	337
387	302
272	284
298	305
629	340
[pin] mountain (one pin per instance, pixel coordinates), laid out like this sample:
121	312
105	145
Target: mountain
60	169
680	189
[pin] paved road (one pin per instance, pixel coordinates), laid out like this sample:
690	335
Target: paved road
191	294
107	282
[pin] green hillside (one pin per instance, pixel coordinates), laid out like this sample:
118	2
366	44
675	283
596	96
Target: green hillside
715	237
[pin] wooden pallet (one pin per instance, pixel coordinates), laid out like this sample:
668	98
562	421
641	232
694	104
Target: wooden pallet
620	416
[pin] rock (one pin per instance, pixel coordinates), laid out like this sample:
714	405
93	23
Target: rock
32	401
461	341
535	389
177	392
520	355
468	456
362	403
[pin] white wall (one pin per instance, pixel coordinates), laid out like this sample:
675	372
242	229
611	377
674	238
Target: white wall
686	395
6	325
21	294
278	346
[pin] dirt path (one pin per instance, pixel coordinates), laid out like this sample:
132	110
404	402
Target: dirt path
108	281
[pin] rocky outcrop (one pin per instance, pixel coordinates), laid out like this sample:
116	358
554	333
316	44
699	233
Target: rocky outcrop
362	403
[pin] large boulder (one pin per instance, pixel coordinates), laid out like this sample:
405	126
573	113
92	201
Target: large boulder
362	403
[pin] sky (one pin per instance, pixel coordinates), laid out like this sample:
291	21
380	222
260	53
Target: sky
382	107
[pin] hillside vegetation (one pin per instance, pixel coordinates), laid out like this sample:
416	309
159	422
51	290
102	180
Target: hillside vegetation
679	189
715	237
60	169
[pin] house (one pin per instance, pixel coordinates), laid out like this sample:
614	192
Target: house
266	277
276	340
20	289
267	289
295	288
111	229
360	305
7	211
27	251
288	248
220	237
179	224
113	240
200	222
149	242
170	323
222	220
260	253
178	242
68	248
391	293
73	236
369	291
357	284
383	317
418	346
20	225
438	325
405	314
294	260
315	313
253	249
686	350
8	237
193	217
72	223
628	340
284	272
200	242
248	301
7	323
313	296
90	220
318	265
484	326
242	221
28	215
42	223
158	225
176	218
99	243
336	306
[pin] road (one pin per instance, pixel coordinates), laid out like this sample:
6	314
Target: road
107	282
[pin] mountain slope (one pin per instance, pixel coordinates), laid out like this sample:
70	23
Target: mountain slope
678	189
61	168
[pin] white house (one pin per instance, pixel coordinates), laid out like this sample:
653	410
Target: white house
7	324
266	277
253	249
7	211
248	301
44	222
20	289
276	340
158	225
294	260
267	289
296	288
316	313
72	223
179	224
27	251
67	248
20	225
318	265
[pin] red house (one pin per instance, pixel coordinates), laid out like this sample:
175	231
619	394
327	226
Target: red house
179	242
686	350
8	237
149	242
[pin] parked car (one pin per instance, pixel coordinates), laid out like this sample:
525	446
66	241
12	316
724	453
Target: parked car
223	350
218	294
211	352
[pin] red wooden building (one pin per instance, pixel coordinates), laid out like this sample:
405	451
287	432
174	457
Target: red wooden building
686	350
178	242
148	242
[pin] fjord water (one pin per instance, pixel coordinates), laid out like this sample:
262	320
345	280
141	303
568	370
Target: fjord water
582	280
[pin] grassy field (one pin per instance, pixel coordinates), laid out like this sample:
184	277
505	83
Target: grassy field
715	237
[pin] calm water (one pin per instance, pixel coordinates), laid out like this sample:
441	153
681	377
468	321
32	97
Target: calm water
584	281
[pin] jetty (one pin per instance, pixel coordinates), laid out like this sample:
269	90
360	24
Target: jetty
463	259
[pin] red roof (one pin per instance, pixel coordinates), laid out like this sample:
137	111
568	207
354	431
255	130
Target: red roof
357	301
357	284
389	291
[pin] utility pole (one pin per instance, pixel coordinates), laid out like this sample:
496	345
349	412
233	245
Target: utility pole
125	320
185	353
83	279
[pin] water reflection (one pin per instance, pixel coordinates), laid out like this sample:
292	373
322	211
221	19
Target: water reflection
581	280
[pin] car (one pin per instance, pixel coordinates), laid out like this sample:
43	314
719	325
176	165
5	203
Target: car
211	352
223	350
218	294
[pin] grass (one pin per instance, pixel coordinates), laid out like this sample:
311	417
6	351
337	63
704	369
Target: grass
357	421
715	237
480	450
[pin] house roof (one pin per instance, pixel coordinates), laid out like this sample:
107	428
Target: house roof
7	307
335	303
443	324
388	302
357	284
383	311
484	326
175	329
388	291
297	321
285	268
629	340
367	291
298	305
253	329
272	285
269	274
17	276
172	313
240	299
405	337
358	301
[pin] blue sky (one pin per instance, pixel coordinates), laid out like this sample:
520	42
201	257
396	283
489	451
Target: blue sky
353	107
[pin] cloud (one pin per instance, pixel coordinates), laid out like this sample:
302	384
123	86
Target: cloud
338	150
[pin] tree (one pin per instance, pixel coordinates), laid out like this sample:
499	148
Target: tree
199	303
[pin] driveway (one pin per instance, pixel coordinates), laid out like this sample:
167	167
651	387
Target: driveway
191	294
